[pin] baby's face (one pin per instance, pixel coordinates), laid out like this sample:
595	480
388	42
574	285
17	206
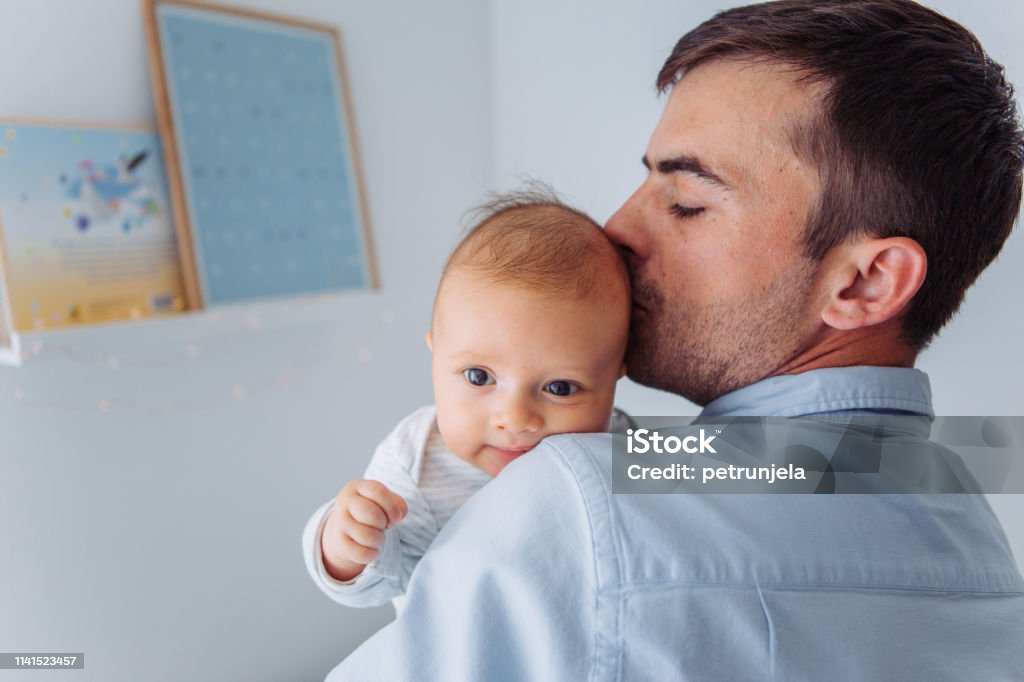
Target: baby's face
512	366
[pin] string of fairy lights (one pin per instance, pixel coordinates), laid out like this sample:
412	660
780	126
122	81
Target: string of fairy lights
303	373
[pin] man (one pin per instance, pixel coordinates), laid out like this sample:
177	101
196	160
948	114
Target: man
826	181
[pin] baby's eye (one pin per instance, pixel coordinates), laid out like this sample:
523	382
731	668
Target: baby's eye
478	377
561	388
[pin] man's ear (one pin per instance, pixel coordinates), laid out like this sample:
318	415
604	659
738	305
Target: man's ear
430	340
871	280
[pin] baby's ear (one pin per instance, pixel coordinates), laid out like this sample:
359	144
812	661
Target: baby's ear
430	340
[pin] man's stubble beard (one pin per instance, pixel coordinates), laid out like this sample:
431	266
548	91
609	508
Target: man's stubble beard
703	352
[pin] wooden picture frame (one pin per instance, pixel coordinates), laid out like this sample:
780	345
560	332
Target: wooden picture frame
263	161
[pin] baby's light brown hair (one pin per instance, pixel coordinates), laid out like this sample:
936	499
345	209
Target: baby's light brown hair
532	240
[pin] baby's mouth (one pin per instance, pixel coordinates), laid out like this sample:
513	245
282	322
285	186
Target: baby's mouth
512	453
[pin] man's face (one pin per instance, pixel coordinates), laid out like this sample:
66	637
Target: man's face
722	293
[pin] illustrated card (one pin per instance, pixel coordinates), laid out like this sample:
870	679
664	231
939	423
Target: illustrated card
86	229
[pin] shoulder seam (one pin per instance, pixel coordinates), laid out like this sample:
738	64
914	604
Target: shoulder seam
607	606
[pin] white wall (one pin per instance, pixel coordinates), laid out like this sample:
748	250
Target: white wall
574	103
166	545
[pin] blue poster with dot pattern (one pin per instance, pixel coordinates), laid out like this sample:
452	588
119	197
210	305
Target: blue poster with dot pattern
265	155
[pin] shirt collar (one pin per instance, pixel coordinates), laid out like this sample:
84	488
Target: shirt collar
832	389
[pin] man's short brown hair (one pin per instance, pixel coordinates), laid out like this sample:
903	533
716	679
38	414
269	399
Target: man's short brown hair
917	134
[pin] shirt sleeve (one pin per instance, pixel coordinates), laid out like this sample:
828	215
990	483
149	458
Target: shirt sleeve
395	463
505	593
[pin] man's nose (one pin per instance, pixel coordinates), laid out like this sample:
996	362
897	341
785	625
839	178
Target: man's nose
517	415
627	229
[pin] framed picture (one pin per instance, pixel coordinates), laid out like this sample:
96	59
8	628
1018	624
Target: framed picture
86	227
262	158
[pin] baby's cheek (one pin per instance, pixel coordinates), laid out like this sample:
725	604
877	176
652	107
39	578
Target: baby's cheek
595	420
444	425
452	431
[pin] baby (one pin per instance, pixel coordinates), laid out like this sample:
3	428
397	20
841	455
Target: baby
528	336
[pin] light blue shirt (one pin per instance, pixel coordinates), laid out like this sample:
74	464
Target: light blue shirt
547	575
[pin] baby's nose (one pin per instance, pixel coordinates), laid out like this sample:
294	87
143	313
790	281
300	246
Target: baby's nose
516	417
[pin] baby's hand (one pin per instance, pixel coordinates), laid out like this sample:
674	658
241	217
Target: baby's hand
354	532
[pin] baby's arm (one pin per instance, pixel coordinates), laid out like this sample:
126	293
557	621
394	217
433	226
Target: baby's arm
393	468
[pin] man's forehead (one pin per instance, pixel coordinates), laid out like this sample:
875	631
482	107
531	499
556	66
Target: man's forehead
757	89
732	117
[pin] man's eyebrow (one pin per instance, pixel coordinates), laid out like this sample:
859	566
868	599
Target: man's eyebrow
685	163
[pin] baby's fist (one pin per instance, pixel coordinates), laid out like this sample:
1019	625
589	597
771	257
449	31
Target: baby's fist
354	532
